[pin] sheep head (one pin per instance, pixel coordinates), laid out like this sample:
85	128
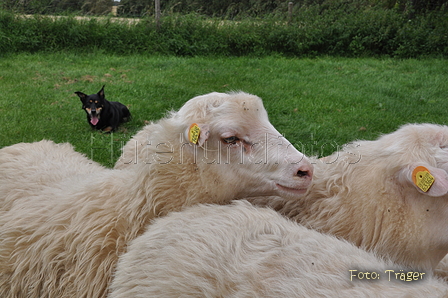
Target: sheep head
388	195
423	179
226	144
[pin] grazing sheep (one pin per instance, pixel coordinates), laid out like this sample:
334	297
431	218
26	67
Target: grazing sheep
242	251
365	193
64	239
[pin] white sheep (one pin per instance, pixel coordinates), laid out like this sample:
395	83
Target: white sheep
63	239
29	168
366	194
240	251
442	268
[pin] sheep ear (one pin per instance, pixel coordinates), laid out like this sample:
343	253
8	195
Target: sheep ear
426	179
197	133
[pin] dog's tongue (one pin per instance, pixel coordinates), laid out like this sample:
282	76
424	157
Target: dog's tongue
94	120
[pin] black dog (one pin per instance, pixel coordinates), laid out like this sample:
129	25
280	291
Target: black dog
102	114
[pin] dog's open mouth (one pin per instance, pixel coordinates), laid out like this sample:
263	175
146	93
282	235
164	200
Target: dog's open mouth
94	119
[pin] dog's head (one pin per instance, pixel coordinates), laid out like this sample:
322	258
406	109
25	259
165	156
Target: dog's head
93	104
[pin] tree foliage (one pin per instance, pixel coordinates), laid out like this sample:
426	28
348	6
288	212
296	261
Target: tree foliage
94	7
218	8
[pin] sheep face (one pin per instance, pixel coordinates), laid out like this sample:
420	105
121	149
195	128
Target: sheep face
243	147
228	141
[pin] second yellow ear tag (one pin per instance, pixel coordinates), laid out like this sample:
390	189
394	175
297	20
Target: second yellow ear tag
193	133
422	178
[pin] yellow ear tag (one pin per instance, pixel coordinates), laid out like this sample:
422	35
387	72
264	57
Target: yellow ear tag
193	133
422	178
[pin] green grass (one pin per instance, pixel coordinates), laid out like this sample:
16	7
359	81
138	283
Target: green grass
319	104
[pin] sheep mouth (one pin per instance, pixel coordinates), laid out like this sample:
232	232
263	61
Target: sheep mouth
299	191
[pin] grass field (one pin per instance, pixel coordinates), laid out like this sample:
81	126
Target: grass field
318	104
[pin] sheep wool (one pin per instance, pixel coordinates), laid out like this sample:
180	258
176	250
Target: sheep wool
64	220
241	251
368	194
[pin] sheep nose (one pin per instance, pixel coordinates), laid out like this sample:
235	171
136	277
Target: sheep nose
305	171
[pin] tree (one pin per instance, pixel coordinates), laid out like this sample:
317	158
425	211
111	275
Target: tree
97	7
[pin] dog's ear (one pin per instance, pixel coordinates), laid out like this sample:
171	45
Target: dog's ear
81	95
101	92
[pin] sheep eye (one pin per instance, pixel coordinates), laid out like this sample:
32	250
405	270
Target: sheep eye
230	140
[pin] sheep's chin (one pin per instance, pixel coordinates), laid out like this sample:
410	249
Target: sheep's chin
285	191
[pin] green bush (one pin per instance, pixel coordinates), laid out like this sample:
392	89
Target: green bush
313	31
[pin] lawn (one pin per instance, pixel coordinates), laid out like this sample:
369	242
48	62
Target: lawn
318	104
